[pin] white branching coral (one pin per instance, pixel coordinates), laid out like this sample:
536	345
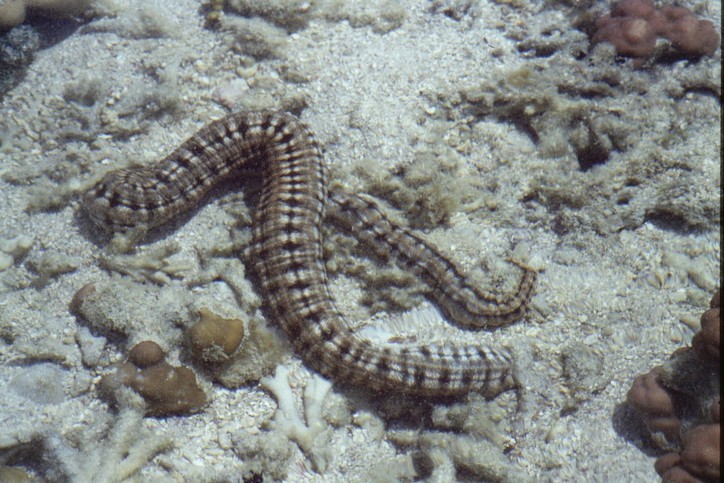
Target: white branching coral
310	434
127	447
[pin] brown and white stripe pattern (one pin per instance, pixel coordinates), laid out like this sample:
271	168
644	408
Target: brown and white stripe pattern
288	259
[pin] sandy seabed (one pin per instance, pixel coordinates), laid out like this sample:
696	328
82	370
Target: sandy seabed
604	177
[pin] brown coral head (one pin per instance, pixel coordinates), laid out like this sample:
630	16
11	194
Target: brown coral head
169	390
675	400
80	297
707	341
146	354
671	469
702	451
214	338
633	8
166	389
632	37
690	35
648	395
715	410
700	460
633	26
122	376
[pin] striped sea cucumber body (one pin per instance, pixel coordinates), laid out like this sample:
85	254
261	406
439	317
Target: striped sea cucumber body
288	260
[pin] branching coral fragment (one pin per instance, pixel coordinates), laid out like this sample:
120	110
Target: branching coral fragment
312	436
126	449
153	266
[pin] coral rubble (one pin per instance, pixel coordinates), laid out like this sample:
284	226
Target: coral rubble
462	438
14	249
680	402
120	307
125	448
599	116
311	433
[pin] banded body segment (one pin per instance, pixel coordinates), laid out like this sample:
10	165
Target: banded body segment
452	291
287	252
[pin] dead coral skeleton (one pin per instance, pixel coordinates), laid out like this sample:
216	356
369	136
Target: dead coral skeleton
154	265
127	447
463	437
449	453
311	434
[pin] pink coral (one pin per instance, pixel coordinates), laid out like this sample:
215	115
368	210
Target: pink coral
700	459
634	25
706	342
689	379
648	395
688	34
